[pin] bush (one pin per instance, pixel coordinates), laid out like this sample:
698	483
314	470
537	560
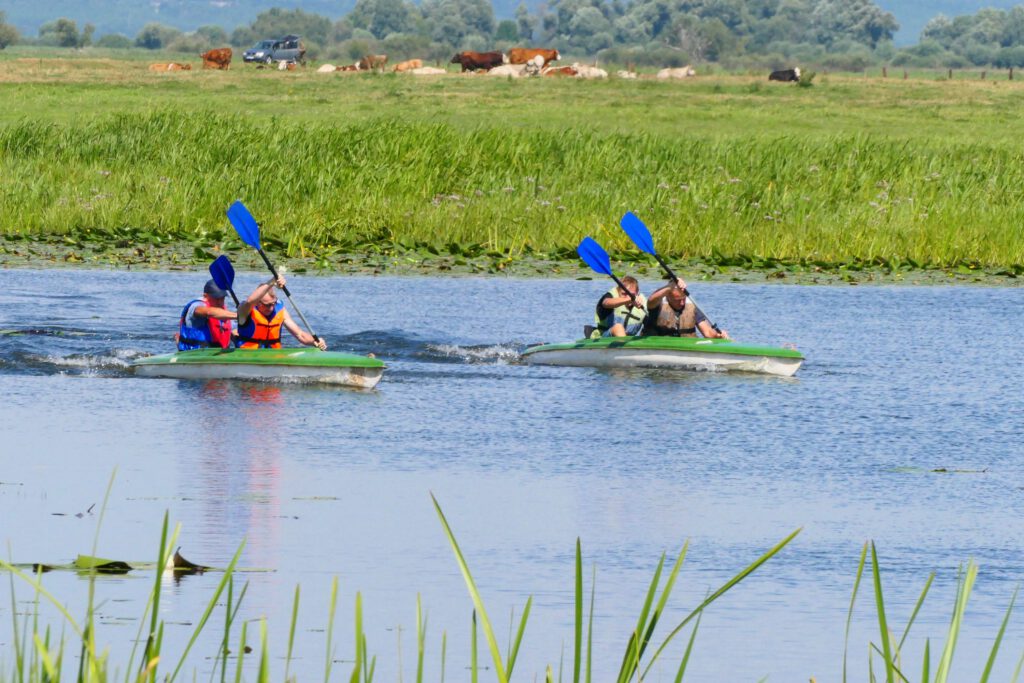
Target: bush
115	41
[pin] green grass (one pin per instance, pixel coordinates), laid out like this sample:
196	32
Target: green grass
726	168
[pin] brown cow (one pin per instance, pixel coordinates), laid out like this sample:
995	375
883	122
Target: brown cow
372	62
408	65
472	61
349	67
560	71
521	55
219	58
173	66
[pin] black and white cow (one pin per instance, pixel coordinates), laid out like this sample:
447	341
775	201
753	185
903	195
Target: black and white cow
785	75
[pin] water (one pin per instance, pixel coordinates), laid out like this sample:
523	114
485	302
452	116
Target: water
324	483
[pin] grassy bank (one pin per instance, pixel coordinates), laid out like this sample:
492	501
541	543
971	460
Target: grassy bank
727	169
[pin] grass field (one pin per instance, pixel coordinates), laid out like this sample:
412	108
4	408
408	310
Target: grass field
727	168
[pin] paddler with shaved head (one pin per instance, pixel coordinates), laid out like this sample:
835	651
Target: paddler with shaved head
261	317
672	314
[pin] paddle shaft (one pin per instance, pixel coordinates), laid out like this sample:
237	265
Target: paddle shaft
632	297
673	278
273	271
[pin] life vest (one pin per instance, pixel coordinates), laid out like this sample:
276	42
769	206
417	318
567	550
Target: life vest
200	331
259	332
666	321
604	318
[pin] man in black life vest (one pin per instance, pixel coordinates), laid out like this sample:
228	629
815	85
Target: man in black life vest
672	314
261	317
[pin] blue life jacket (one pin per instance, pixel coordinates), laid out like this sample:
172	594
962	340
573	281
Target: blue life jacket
189	337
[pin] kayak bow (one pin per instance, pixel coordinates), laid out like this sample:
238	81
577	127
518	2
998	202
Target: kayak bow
686	353
286	364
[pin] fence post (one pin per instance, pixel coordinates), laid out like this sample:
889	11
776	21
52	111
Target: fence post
1011	73
983	75
949	76
904	74
885	72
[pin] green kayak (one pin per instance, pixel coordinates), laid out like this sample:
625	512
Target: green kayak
688	353
286	364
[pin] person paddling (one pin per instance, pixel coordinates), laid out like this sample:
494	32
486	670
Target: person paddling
621	312
205	323
261	316
672	314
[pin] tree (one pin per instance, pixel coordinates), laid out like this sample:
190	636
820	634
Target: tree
114	41
155	36
277	22
452	22
507	31
383	17
63	33
213	35
8	34
525	22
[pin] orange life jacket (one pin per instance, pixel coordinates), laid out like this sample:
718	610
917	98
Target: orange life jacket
259	332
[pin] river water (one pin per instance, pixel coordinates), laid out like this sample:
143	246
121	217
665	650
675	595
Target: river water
322	483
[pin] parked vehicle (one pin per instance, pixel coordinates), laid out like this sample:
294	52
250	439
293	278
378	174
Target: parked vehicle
260	52
287	49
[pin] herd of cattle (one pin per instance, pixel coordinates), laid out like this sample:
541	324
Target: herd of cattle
520	61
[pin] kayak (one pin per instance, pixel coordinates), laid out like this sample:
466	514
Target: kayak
281	365
686	353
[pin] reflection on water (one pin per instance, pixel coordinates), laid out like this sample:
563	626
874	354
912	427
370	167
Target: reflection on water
321	483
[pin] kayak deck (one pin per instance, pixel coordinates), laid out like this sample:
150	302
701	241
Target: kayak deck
689	353
286	364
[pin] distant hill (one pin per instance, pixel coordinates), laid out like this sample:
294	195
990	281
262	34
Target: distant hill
128	16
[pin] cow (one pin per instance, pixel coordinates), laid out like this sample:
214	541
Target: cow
428	71
521	55
219	58
628	75
372	63
511	70
349	67
408	65
586	71
785	75
560	71
173	66
681	72
285	65
327	68
474	61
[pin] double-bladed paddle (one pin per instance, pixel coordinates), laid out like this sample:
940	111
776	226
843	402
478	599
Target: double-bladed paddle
597	258
641	236
246	227
223	274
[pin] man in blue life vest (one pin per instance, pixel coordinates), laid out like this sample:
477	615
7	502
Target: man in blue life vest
672	314
620	312
261	316
205	323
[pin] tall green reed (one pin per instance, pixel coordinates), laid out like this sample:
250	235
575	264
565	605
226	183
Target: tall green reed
383	182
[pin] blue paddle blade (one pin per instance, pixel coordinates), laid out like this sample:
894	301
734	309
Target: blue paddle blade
638	232
244	224
594	256
223	273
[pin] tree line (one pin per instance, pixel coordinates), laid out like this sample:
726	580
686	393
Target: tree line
844	34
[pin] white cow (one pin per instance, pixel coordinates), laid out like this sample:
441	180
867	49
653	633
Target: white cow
427	71
327	68
626	74
681	72
586	71
513	70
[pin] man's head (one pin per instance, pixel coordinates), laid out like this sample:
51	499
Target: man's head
267	302
214	293
677	297
631	285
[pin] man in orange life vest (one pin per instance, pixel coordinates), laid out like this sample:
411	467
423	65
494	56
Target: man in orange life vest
205	323
261	316
671	314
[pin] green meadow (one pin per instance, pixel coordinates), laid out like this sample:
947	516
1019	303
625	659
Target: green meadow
726	168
